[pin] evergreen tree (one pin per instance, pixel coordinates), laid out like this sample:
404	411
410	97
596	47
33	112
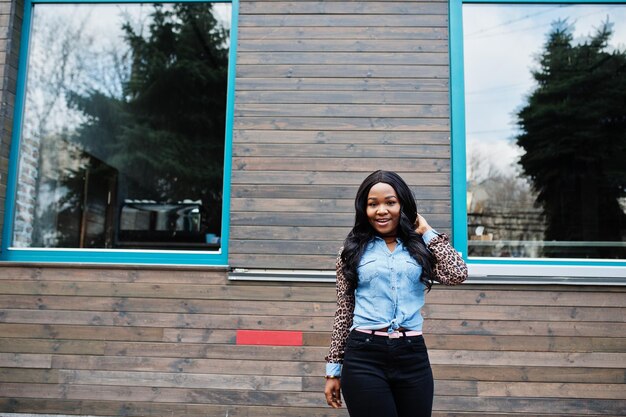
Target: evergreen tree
166	134
574	134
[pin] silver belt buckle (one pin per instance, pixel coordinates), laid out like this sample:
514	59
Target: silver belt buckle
394	335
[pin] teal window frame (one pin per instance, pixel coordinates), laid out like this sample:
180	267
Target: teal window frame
613	271
116	256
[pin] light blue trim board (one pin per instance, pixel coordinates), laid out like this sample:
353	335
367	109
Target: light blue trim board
457	115
114	256
457	110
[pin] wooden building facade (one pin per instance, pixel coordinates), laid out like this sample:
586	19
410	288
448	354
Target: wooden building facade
325	92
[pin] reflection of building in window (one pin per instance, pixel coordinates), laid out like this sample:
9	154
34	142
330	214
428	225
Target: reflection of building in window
145	223
502	216
69	202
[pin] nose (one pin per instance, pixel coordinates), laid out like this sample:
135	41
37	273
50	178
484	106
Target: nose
381	209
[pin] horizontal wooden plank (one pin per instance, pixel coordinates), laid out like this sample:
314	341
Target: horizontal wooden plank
526	313
255	261
286	247
304	20
93	407
142	409
304	399
373	32
521	328
345	123
138	319
24	360
543	296
16	345
33	376
10	272
200	292
375	98
348	111
252	366
277	204
537	343
555	390
483	358
188	365
347	58
342	84
518	389
208	336
168	395
114	274
529	374
368	165
154	305
340	137
430	198
210	381
230	352
294	233
344	45
342	71
45	331
533	406
437	221
325	177
360	8
347	151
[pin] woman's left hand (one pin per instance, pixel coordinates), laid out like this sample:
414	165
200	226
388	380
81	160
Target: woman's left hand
421	225
332	391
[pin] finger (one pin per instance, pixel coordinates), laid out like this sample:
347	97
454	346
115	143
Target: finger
329	398
336	398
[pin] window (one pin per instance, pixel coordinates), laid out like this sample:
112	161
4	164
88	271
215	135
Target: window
121	147
539	131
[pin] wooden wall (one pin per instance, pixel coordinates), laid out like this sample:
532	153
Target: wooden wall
327	92
157	342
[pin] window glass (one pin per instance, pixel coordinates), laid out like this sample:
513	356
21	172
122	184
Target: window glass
123	133
545	130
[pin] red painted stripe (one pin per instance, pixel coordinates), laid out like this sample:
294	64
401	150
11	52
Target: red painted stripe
269	338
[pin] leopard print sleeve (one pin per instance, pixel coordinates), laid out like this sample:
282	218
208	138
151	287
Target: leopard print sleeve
450	268
343	317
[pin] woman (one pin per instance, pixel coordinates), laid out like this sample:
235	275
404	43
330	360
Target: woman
390	258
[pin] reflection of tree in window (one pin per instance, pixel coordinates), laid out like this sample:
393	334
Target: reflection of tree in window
574	137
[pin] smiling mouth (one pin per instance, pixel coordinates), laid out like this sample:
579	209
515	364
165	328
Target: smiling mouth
383	221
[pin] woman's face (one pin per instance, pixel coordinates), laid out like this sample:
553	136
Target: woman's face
383	209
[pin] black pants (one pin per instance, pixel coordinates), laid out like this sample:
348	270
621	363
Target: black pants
385	377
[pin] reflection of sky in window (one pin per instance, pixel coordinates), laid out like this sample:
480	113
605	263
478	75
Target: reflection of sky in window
501	43
97	59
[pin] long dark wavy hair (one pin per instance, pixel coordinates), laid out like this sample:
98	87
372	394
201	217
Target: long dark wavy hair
362	232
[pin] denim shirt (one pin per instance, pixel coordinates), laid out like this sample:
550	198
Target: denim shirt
389	291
